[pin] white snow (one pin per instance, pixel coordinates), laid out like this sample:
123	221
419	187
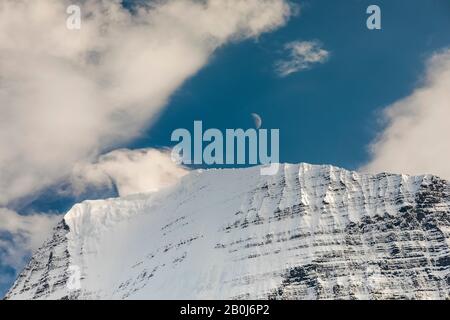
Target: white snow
221	234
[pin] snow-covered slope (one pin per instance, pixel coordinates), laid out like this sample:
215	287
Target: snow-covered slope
309	232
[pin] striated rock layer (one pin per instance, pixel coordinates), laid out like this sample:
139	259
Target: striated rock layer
309	232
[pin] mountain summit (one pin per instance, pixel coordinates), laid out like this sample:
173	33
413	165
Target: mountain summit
309	232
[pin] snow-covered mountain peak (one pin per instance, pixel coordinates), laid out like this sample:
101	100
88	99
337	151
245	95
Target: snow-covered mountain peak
307	232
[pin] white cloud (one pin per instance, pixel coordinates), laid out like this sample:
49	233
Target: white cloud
67	95
130	171
416	138
25	234
302	55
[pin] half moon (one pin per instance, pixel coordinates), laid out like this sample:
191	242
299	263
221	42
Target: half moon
257	120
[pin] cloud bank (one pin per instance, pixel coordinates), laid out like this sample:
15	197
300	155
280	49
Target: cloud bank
302	55
66	95
416	138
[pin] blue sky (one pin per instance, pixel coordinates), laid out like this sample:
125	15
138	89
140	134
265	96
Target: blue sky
328	114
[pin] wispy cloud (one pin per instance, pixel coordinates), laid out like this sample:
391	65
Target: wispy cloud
416	138
20	236
302	55
129	171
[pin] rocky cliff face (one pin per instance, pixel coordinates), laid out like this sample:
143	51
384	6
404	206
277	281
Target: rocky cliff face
309	232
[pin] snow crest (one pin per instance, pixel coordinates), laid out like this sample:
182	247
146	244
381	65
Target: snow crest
309	232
